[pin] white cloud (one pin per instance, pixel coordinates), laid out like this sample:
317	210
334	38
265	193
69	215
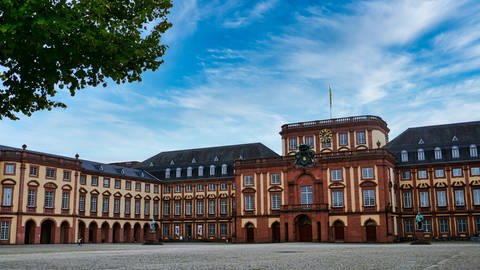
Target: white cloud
257	12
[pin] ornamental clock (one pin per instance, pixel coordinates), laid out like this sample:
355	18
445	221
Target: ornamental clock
325	136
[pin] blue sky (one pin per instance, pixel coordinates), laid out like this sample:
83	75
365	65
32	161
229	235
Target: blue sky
235	71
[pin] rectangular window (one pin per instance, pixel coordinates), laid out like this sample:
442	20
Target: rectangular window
127	206
405	175
404	156
475	171
188	188
7	196
443	223
128	185
369	197
408	226
309	141
248	180
459	197
223	206
50	173
176	208
249	202
66	175
138	186
166	208
155	208
361	137
177	188
106	182
9	168
422	174
81	203
137	206
476	196
49	197
223	229
211	207
336	175
407	199
118	184
223	186
343	139
211	229
424	201
155	188
462	225
439	173
147	187
33	171
441	198
367	173
293	143
116	205
167	189
427	225
456	172
276	201
199	187
146	210
83	179
337	198
211	187
420	154
188	208
94	180
306	195
455	152
275	179
65	200
93	204
31	201
106	204
477	224
199	207
326	144
4	230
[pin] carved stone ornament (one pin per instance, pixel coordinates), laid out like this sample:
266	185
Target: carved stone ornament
305	157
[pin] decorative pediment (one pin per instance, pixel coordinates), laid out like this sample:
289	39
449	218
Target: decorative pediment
326	150
49	185
200	196
361	147
458	184
475	183
211	196
248	190
223	195
188	196
106	193
177	197
66	187
148	197
8	181
423	185
232	195
337	185
440	185
33	183
138	196
368	183
275	189
156	198
166	198
82	190
406	186
343	148
117	194
94	192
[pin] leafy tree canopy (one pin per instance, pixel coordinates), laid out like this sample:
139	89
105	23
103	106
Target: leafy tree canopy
47	45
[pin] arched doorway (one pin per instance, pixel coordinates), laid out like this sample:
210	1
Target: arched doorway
30	232
81	231
276	232
47	232
146	230
371	230
116	233
92	232
127	228
250	232
105	229
303	226
339	231
64	232
136	232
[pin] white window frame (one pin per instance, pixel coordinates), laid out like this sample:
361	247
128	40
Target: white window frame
404	156
212	169
455	152
422	174
224	169
420	154
276	201
473	150
361	137
367	173
369	197
407	199
438	153
439	173
249	202
306	195
476	196
292	143
275	179
337	198
459	197
424	199
248	180
7	196
441	198
343	139
336	175
457	172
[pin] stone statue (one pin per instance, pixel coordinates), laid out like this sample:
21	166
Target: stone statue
419	220
152	226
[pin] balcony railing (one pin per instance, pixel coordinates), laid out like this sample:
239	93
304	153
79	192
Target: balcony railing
305	207
335	121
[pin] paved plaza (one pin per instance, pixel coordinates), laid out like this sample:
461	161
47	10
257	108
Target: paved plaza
445	255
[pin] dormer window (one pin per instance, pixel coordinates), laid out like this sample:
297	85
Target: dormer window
100	167
167	173
224	168
189	172
473	150
212	169
438	153
420	154
151	164
455	152
421	141
194	161
215	159
122	171
179	172
404	156
454	139
200	170
172	163
142	174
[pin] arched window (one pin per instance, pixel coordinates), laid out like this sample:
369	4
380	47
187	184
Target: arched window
167	173
438	153
404	156
189	172
179	172
420	154
473	150
212	169
224	168
200	170
455	152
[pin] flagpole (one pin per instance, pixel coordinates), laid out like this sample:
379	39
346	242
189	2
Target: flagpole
330	90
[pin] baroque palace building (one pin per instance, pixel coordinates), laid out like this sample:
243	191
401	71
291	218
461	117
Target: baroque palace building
337	180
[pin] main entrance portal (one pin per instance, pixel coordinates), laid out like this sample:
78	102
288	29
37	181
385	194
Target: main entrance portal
303	226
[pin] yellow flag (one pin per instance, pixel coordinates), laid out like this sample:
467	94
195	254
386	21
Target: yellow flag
329	88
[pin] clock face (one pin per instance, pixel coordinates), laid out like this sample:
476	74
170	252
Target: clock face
325	136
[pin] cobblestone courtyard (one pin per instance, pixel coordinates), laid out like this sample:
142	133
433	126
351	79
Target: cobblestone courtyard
451	255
